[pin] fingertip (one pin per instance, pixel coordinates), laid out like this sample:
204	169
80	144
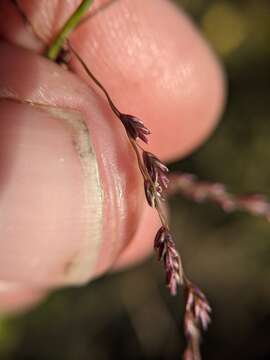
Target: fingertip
78	198
157	66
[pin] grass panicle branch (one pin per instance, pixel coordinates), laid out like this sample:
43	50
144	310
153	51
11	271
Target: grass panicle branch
198	191
155	176
158	184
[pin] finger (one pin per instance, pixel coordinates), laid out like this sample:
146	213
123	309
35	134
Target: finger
17	298
157	66
70	197
154	63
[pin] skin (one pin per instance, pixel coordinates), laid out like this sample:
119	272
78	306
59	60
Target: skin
156	66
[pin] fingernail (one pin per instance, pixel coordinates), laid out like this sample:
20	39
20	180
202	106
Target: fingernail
50	196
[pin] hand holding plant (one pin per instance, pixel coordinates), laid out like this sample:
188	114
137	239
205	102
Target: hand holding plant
174	86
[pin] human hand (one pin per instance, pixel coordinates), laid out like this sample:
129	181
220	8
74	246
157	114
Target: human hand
56	227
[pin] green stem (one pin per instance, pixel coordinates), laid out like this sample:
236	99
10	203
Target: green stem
70	24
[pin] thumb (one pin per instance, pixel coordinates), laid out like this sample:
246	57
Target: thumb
69	178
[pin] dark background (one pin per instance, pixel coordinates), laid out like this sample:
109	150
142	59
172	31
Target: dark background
131	315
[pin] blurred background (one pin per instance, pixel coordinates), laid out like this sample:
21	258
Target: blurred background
227	254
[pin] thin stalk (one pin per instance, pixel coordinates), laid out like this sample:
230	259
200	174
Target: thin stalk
69	25
96	81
